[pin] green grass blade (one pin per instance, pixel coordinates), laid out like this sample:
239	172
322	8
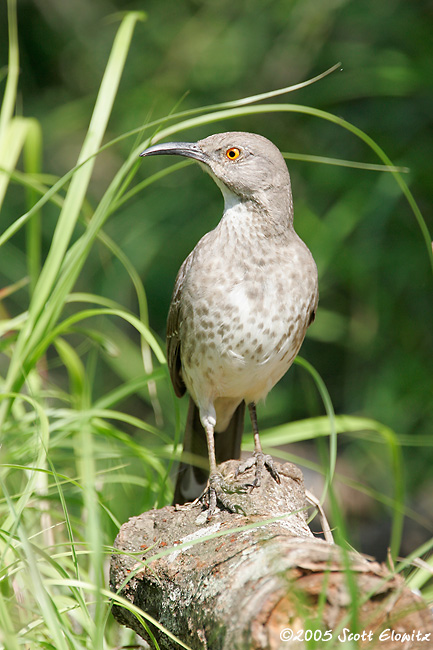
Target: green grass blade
313	112
65	325
13	519
11	145
9	98
81	178
41	310
326	398
338	162
49	195
33	165
317	427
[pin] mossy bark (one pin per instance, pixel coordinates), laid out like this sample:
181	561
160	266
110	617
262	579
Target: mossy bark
241	582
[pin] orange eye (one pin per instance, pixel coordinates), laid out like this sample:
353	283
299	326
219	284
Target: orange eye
233	153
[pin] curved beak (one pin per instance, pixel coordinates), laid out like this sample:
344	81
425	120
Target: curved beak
186	149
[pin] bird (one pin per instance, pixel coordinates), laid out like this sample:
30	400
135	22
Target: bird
242	302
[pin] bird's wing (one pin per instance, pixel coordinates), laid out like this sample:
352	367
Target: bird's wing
173	322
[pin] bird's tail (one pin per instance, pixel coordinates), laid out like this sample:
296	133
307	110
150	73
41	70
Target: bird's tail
191	479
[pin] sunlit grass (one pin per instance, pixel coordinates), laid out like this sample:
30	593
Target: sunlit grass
75	465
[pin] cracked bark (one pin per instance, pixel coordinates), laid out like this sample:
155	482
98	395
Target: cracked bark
241	588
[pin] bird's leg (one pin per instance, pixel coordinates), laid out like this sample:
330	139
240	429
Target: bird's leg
217	490
259	459
213	474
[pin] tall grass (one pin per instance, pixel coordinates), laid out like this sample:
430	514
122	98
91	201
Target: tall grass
71	472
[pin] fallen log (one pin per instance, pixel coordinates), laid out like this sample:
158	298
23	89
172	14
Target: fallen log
259	579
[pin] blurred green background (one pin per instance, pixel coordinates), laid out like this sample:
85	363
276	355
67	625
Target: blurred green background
372	342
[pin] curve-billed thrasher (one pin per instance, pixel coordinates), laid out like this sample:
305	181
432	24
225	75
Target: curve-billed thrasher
242	302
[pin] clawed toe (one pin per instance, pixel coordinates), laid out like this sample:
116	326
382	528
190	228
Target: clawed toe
260	460
220	492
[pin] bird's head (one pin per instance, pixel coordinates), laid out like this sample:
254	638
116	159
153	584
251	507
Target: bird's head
246	165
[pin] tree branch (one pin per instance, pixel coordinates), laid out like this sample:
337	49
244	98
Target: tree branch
240	581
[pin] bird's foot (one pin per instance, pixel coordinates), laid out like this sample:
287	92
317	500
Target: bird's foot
260	460
220	492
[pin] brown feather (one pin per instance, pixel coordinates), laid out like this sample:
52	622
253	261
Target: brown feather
173	322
